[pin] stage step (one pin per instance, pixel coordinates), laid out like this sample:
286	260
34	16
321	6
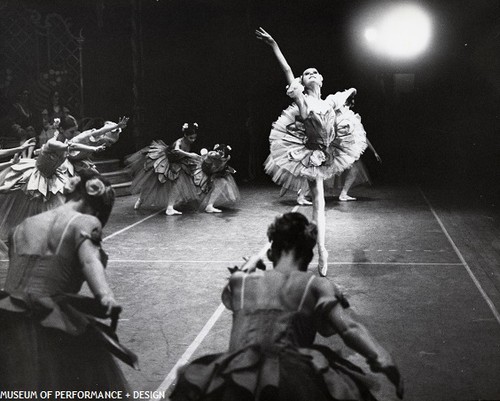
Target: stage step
119	177
107	165
122	189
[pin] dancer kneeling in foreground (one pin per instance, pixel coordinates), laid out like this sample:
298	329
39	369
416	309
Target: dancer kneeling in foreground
276	315
50	337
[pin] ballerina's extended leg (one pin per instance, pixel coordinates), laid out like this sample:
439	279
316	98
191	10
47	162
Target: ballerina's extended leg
318	195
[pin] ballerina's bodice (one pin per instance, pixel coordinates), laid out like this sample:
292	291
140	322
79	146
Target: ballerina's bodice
40	266
270	327
319	125
262	318
48	161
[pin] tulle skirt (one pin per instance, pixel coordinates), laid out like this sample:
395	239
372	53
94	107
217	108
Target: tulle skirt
290	161
157	180
224	192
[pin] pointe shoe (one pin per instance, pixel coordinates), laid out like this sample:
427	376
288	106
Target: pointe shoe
346	198
171	212
137	204
211	209
323	262
302	201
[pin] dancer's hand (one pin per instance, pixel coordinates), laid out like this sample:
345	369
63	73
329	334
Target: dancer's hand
379	159
122	123
110	304
261	34
252	263
30	142
16	158
388	368
100	148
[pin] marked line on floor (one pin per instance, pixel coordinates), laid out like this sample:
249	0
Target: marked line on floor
132	225
172	375
476	282
312	264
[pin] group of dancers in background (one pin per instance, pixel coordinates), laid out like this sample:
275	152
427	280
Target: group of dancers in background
55	204
171	175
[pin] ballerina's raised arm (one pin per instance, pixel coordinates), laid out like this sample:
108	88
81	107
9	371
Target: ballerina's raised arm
261	34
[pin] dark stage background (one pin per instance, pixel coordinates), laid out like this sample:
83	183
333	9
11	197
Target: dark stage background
201	62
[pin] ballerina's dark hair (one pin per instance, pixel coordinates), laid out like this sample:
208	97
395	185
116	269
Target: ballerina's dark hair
292	231
95	190
190	128
68	122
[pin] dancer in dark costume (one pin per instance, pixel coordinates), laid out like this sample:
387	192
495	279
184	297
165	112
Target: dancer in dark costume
276	315
50	337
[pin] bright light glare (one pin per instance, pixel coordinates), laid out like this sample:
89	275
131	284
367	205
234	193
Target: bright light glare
404	32
371	34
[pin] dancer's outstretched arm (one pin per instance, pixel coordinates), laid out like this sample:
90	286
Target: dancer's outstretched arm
86	148
13	151
11	162
370	146
101	131
294	88
177	148
261	34
356	336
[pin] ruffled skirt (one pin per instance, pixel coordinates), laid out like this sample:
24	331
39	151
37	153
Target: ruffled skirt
156	179
223	192
27	192
273	373
290	161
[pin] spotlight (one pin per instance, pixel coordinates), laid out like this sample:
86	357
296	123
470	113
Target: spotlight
404	31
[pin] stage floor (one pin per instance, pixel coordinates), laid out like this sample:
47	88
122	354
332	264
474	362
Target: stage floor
420	268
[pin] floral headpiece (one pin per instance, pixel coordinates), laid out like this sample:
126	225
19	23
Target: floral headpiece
93	187
186	126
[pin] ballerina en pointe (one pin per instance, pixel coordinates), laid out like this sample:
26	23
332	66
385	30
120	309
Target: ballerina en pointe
322	261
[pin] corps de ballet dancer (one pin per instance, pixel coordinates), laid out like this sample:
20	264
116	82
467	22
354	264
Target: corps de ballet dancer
163	174
33	186
214	178
350	121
